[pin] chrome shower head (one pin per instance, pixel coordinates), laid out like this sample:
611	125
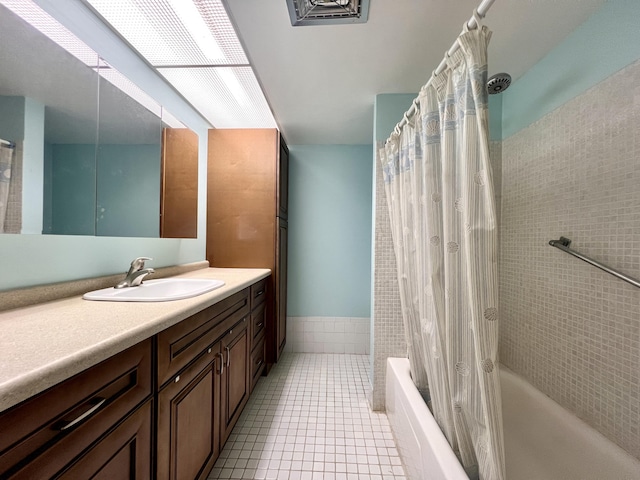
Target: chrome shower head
498	83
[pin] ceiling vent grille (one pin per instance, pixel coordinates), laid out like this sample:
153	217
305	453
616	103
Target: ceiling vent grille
327	12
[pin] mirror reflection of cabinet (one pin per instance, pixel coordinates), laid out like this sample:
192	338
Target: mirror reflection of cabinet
179	189
88	156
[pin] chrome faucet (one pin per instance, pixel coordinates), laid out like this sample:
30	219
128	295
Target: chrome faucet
136	273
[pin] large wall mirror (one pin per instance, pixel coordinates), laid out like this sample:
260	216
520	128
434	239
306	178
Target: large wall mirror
88	152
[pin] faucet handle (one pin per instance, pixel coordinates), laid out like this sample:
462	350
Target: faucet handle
138	263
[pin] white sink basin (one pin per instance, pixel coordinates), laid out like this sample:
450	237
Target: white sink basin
161	290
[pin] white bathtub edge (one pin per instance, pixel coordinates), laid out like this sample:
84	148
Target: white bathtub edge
425	451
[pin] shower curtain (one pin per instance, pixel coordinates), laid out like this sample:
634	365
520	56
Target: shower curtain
439	189
6	162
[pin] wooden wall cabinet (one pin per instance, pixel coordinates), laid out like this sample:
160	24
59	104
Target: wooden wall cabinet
247	210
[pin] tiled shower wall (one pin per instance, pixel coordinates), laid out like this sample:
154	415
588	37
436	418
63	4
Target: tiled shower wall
387	327
572	330
13	220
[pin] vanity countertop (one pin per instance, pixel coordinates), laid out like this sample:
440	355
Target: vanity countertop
44	344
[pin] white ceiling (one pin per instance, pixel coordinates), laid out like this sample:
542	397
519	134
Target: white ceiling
321	82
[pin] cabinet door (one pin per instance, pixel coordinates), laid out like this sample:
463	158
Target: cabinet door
283	180
125	453
188	420
235	379
281	288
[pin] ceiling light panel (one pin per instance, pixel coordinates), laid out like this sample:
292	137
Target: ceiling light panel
228	97
175	32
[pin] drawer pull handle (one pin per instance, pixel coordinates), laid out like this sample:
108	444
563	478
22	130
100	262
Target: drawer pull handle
221	371
228	356
85	415
208	350
259	325
259	293
259	362
177	379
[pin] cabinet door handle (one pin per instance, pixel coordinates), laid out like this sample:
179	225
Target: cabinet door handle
259	293
259	325
221	371
85	415
228	356
259	362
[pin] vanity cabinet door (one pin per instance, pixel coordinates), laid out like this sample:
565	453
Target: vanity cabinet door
188	420
235	378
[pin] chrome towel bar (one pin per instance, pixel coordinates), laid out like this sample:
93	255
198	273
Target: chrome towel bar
563	244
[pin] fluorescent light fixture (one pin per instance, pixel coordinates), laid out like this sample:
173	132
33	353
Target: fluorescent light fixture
232	83
327	12
192	43
206	88
200	32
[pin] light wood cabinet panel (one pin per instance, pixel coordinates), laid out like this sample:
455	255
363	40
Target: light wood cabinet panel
247	185
179	187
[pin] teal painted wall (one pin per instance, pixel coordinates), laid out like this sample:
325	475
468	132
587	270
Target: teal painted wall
388	111
73	189
329	230
607	42
128	196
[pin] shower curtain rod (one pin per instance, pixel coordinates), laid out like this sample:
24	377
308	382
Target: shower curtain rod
482	10
564	243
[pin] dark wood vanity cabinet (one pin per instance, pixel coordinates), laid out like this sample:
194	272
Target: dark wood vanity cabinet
247	212
140	415
86	426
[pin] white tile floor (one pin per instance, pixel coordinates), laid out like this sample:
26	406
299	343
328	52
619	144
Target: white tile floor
310	420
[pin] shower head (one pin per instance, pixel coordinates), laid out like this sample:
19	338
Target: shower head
498	83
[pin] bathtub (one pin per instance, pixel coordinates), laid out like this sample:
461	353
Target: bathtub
542	440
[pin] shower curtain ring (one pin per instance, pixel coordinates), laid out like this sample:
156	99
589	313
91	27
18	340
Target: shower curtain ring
478	19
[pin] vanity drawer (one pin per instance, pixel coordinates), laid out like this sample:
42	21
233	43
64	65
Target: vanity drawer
182	343
258	292
43	434
257	362
258	322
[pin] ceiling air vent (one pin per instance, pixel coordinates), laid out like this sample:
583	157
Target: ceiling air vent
327	12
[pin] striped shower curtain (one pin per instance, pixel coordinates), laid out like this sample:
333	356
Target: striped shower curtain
442	210
6	162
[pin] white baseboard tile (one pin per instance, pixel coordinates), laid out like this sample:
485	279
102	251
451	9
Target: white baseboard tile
328	335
